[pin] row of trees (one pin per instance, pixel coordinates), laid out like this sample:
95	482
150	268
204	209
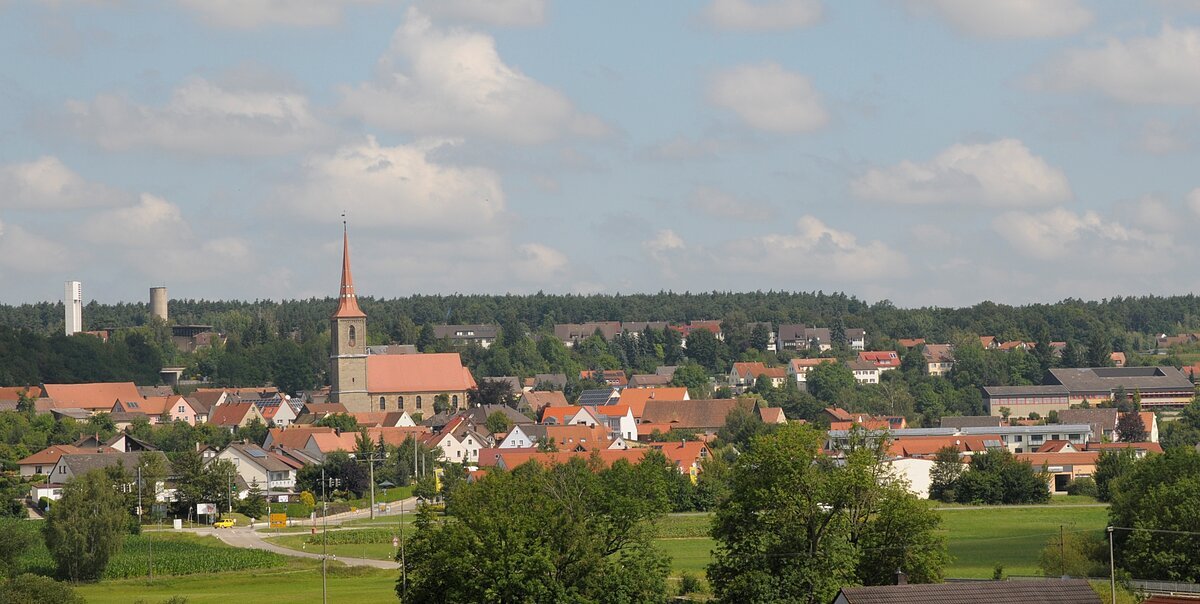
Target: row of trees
400	319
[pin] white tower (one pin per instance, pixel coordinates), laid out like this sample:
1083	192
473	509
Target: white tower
158	303
73	305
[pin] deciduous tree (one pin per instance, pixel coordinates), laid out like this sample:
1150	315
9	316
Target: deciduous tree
86	526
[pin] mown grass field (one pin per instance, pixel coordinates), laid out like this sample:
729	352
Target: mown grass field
979	538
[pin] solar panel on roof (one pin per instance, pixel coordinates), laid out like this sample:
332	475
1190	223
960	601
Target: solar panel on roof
257	453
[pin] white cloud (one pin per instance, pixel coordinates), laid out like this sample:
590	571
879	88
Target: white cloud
1001	173
1163	70
814	249
395	187
540	260
1159	137
768	97
203	117
724	205
760	15
47	183
665	240
1010	18
250	14
505	13
154	238
29	252
1193	201
1056	233
453	82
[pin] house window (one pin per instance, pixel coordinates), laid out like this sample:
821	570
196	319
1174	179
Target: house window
400	403
454	401
382	403
418	401
353	336
181	409
37	469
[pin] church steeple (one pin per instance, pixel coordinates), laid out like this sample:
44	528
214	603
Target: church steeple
348	331
347	300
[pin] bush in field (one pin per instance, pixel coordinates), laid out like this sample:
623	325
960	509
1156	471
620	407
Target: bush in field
36	589
1082	486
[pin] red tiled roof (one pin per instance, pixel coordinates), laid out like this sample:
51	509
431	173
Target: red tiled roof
230	414
682	454
559	414
1060	459
432	372
636	399
515	457
884	358
49	456
910	342
13	393
96	397
1148	447
295	437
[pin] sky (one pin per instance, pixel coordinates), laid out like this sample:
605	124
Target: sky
928	152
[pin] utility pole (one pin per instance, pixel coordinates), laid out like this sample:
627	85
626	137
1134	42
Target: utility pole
1062	557
403	566
149	541
1112	567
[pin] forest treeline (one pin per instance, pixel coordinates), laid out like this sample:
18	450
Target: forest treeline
399	319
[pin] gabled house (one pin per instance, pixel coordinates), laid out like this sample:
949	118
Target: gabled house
563	438
799	368
537	400
612	377
451	449
465	335
699	416
939	359
236	415
636	399
42	462
649	380
276	412
744	375
865	372
885	360
685	456
773	415
159	408
598	396
255	465
72	465
93	397
617	418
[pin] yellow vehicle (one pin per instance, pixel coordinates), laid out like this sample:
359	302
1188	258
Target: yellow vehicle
227	523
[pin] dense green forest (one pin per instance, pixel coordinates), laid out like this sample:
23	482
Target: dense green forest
399	319
287	343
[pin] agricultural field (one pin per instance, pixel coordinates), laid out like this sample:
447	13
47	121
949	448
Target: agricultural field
174	554
297	580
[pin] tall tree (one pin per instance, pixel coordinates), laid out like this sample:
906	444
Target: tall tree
1159	494
797	525
86	527
574	532
1131	428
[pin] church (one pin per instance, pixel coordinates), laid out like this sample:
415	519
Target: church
365	382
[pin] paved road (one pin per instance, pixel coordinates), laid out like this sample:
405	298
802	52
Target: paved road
250	538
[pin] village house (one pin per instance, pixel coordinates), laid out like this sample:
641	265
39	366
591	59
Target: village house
1060	591
236	415
702	417
939	359
799	368
865	372
92	397
884	360
466	335
744	375
636	399
269	470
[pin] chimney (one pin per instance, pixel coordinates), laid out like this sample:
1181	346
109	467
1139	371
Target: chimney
901	578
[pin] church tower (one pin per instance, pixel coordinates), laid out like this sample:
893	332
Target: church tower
348	332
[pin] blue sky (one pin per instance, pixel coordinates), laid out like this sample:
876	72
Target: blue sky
931	152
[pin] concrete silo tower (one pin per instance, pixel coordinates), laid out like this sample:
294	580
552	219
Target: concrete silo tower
158	303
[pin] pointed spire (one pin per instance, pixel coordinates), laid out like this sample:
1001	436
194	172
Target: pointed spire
347	300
